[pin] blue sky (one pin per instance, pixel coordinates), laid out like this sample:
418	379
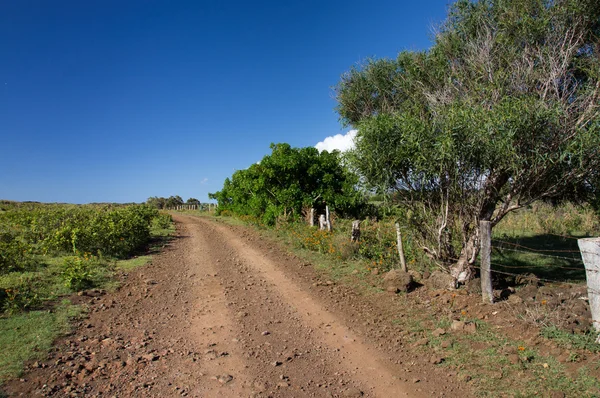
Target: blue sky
116	101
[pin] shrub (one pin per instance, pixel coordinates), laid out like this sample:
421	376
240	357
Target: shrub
162	221
80	272
22	297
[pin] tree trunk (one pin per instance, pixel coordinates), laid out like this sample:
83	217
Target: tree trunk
462	270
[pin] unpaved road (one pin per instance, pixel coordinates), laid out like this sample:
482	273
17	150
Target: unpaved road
223	312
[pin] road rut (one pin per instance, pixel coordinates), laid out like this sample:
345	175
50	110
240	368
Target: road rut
215	315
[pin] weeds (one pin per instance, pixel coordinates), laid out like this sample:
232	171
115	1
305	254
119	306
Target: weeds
586	341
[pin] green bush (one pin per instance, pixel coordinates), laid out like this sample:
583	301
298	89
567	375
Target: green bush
117	231
22	297
80	272
162	221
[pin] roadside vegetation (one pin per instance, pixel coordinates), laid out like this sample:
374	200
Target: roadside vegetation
498	121
50	251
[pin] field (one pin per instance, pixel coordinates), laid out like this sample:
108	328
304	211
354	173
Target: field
48	252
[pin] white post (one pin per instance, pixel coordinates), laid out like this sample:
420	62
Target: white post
590	253
327	218
312	217
487	293
322	222
400	248
355	237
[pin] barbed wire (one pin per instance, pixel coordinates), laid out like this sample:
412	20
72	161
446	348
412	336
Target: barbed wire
523	267
540	254
541	279
535	250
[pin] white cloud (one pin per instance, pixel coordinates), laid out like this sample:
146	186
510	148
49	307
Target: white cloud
204	181
338	141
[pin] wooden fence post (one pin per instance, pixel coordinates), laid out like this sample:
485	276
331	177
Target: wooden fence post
485	228
590	253
328	220
355	231
322	222
312	217
400	248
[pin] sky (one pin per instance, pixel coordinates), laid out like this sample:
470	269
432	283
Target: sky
118	101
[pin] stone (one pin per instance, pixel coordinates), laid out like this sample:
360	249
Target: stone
529	279
470	327
457	325
527	293
474	286
400	280
352	393
416	275
436	360
224	379
441	280
513	359
438	332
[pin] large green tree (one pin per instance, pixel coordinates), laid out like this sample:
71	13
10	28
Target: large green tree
288	180
501	111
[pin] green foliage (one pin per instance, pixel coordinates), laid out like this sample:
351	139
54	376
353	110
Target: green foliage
30	335
162	221
21	297
117	231
499	113
286	182
14	252
377	246
585	341
79	272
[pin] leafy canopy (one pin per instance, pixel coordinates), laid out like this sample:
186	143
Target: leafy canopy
288	180
503	110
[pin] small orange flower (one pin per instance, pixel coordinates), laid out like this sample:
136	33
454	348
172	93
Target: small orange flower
521	348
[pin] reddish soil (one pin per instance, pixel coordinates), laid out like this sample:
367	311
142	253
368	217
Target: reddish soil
224	312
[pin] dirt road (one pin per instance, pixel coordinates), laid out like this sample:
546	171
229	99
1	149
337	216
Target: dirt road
223	312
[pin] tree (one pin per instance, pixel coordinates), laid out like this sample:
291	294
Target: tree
157	202
173	201
193	201
500	112
286	181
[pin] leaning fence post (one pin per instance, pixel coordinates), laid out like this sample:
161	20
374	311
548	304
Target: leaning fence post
485	228
590	253
400	248
355	237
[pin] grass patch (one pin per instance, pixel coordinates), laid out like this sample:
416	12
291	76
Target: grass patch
133	263
29	335
571	340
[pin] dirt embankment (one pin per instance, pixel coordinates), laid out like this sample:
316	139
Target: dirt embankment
223	312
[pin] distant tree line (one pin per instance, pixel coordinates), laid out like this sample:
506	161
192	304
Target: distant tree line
170	202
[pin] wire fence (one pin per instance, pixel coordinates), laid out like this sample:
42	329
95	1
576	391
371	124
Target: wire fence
570	255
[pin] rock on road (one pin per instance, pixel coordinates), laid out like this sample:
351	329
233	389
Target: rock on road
220	313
